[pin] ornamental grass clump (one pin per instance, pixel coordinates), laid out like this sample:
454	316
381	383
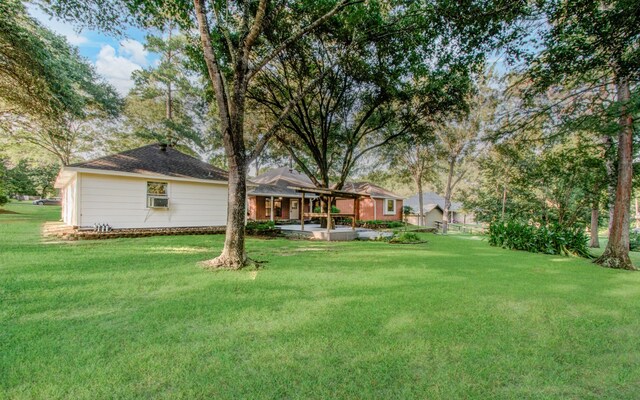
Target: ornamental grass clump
547	239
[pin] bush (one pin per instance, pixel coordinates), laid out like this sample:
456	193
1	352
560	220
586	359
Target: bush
405	238
379	224
4	199
261	228
634	240
552	239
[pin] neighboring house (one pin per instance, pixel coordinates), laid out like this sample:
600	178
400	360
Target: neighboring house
432	214
376	203
154	186
273	199
430	200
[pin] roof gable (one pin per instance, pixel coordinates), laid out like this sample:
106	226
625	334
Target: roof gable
431	198
369	189
283	177
151	159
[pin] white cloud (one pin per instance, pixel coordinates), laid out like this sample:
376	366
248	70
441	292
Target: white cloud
134	50
116	69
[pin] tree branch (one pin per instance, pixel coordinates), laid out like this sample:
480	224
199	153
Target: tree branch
293	38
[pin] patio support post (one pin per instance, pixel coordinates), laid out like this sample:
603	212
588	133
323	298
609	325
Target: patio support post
271	208
353	219
302	213
329	219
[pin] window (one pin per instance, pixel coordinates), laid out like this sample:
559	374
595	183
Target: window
389	207
277	207
157	195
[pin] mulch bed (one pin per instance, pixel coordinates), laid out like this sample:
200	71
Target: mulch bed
3	211
133	233
147	232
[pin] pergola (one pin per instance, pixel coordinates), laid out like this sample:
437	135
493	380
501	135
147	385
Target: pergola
331	194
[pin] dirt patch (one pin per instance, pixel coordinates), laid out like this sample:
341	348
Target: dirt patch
3	211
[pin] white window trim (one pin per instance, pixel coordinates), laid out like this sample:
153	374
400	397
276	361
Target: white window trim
384	209
148	196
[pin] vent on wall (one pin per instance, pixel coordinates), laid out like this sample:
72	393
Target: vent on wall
158	202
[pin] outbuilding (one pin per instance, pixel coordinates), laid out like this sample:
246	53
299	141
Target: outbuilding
154	186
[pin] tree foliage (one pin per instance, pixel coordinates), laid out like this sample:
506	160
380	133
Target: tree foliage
590	50
46	87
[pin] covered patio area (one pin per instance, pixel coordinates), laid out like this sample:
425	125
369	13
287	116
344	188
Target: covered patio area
326	199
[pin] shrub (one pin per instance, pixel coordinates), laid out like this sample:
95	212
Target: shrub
405	238
4	199
634	240
379	224
552	239
261	228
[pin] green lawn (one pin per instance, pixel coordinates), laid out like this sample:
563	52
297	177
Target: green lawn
455	318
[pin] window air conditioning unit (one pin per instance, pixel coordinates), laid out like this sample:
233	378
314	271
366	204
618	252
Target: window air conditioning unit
158	202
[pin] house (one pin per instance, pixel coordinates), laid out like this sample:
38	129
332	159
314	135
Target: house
433	209
375	203
274	199
154	186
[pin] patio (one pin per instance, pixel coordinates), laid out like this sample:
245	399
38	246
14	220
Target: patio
339	233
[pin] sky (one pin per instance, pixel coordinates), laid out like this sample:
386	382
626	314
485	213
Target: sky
113	58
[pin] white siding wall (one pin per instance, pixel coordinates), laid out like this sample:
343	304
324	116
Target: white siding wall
122	203
430	218
69	203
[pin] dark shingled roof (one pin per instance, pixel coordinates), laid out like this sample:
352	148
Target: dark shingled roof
430	198
369	189
273	190
283	177
276	182
152	160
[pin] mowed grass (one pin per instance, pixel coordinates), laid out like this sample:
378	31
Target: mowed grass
455	318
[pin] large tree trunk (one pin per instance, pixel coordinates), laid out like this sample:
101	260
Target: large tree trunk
504	201
612	174
447	197
231	113
595	213
233	254
616	254
420	201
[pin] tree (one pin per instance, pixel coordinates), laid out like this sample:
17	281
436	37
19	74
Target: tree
387	88
413	159
46	87
586	46
167	104
549	184
361	102
460	140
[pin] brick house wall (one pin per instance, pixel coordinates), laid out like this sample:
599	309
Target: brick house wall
257	209
367	210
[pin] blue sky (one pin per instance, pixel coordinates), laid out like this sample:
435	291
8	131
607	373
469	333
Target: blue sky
114	58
